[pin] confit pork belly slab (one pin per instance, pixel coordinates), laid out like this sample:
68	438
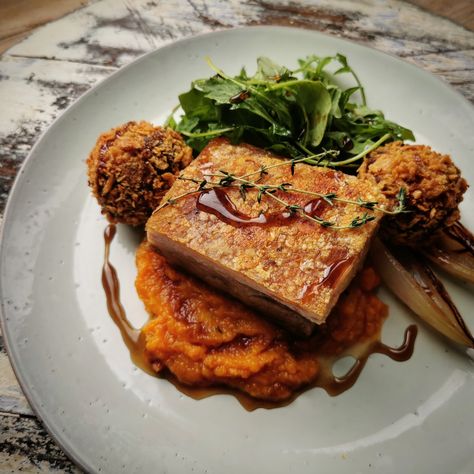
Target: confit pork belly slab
286	266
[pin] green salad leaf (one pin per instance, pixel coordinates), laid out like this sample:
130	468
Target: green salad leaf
296	113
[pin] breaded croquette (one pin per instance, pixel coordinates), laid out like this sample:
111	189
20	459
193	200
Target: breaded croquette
433	184
132	166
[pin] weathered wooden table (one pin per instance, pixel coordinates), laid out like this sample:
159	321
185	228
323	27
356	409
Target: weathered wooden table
43	74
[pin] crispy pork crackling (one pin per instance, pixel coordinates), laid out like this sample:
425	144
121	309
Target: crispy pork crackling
289	268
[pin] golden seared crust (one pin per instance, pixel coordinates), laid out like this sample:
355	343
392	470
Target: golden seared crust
132	166
289	263
434	189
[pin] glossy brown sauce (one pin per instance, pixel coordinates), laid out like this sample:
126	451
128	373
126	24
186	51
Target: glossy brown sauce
217	202
334	270
337	385
131	336
330	277
315	207
326	379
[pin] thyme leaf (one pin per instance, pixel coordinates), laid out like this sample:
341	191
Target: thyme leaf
359	221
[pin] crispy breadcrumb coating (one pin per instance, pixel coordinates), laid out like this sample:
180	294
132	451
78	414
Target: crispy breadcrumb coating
433	184
132	166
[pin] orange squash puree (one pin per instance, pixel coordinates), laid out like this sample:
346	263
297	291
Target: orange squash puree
206	338
357	317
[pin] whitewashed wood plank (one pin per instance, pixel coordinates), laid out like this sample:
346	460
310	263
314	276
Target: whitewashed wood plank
461	60
110	32
113	32
12	399
456	68
37	89
32	93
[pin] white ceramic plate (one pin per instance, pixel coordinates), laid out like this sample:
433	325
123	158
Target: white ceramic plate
413	417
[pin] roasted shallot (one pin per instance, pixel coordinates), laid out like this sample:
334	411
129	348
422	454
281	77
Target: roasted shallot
453	251
414	283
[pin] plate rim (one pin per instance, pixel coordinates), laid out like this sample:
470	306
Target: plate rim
42	414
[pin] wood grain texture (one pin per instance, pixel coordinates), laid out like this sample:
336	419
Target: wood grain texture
12	400
34	92
44	73
459	11
20	17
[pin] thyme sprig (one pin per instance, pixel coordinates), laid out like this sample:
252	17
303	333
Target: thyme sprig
330	198
315	159
226	180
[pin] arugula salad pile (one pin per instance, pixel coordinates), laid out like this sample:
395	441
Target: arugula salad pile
301	113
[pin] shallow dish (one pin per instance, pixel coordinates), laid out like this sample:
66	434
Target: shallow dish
109	416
